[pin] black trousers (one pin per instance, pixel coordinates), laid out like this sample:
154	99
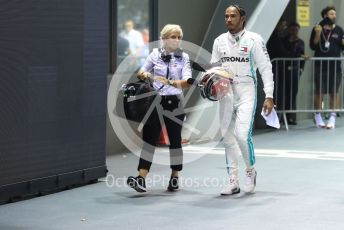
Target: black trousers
151	133
327	77
290	89
278	71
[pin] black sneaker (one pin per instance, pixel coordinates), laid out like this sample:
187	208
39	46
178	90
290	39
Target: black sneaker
138	183
173	183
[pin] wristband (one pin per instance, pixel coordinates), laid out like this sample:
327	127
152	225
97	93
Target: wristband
190	81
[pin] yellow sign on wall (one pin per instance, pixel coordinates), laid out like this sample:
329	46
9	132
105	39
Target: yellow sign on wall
303	12
303	2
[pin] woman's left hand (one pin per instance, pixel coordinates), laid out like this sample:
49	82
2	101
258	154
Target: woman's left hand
162	80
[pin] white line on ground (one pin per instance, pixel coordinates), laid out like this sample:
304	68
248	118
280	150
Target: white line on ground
282	153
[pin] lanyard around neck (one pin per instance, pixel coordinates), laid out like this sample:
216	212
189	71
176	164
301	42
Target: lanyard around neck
328	36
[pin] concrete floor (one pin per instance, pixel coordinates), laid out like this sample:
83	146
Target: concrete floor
299	186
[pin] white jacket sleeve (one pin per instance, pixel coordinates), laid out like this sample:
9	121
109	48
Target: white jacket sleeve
262	61
215	56
186	71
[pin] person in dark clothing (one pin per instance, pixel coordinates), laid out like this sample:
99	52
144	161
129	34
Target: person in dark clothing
294	48
275	44
122	48
276	49
327	40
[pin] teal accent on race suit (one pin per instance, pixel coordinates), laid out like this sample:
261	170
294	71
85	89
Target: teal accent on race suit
251	155
227	162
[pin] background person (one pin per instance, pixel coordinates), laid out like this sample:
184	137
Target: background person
136	43
276	49
327	40
294	48
133	36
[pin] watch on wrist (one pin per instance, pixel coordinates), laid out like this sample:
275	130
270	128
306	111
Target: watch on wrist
170	82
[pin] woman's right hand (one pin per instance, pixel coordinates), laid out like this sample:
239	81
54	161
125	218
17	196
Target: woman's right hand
142	75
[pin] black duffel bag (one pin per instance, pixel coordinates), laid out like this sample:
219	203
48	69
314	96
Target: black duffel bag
136	99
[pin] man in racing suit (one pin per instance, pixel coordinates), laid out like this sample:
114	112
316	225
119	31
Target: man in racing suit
241	52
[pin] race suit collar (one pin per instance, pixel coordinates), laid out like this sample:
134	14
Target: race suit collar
236	37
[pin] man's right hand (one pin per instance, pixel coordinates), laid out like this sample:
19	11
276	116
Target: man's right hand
318	29
268	105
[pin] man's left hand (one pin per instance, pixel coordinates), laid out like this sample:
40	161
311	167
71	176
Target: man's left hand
268	105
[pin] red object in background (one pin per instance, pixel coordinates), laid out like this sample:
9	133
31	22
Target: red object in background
163	140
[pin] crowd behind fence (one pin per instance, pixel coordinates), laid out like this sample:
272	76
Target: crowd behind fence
325	74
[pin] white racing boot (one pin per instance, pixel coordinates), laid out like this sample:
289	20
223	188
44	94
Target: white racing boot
232	187
250	182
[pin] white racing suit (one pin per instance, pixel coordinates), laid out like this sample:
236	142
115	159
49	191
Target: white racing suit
241	54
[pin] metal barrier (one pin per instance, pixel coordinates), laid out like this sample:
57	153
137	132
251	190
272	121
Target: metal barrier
318	75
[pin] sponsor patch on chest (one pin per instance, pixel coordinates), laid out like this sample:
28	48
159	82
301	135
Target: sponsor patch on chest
243	49
235	59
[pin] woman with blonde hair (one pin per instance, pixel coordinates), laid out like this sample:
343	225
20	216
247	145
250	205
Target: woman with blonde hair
169	68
